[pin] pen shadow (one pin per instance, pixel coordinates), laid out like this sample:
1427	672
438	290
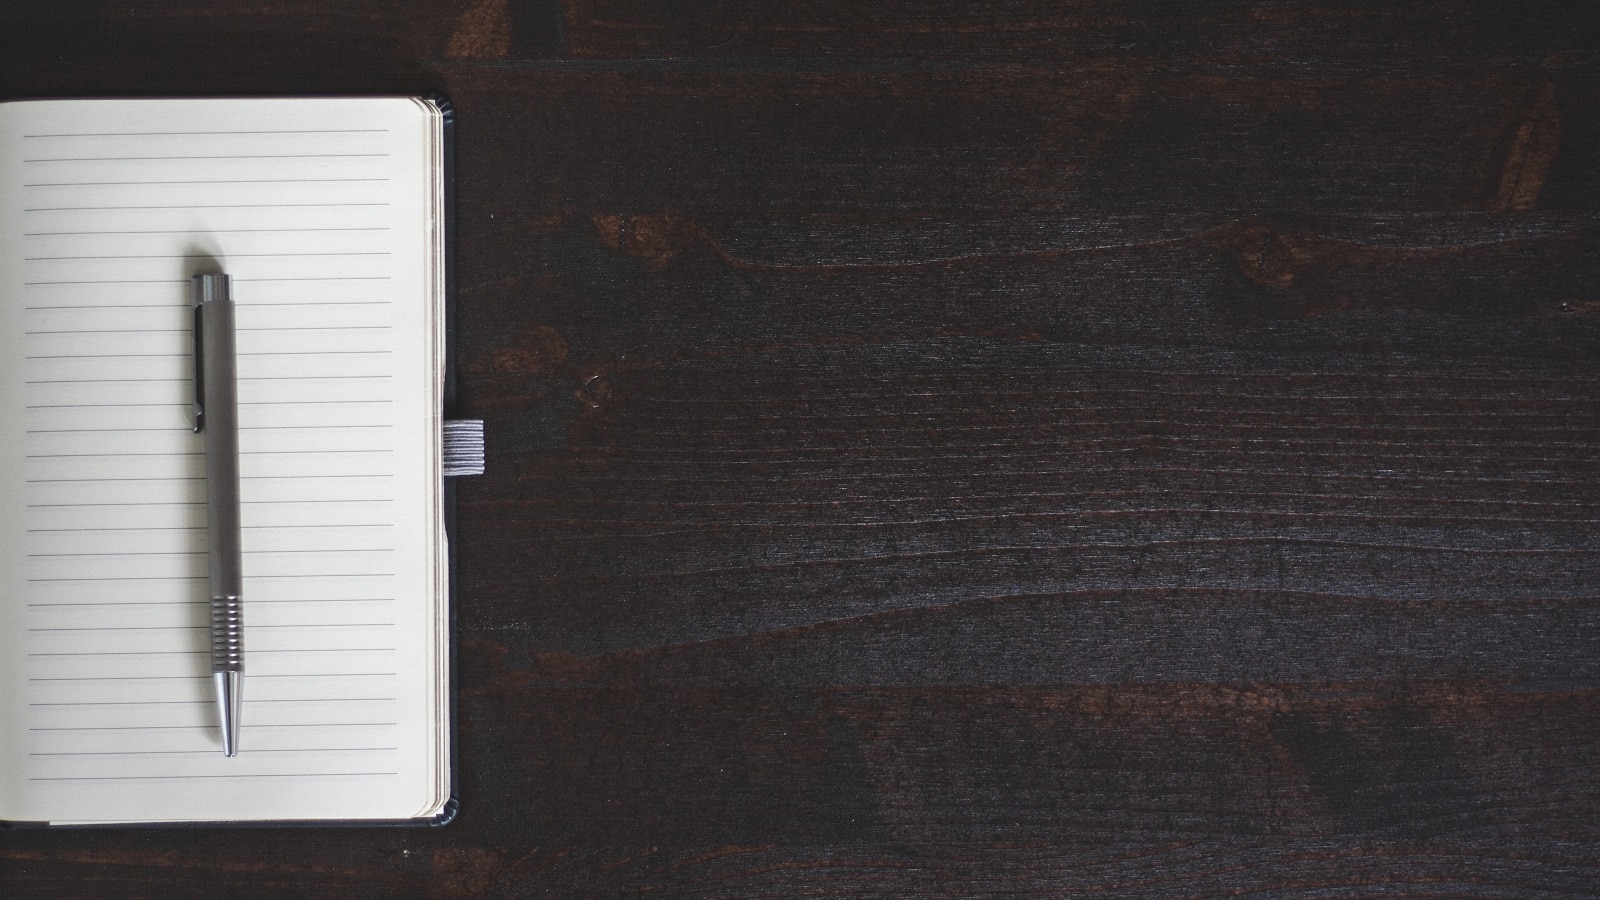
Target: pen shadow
201	258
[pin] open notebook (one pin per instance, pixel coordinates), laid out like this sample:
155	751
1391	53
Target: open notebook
329	215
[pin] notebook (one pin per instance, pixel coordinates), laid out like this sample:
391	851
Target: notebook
329	215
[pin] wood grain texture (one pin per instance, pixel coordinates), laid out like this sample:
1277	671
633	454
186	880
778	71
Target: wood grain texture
1115	447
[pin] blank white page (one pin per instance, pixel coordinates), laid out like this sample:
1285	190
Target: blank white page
323	212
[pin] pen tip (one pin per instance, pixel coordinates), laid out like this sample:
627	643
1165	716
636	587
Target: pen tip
228	700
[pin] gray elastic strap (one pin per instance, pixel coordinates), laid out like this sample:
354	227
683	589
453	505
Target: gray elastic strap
463	447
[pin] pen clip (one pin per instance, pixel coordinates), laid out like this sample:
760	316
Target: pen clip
199	356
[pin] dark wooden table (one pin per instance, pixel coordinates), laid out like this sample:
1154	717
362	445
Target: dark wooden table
976	447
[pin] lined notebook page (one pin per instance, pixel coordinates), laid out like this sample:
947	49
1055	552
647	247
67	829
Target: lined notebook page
320	212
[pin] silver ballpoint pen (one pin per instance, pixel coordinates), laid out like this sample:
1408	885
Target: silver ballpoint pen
216	416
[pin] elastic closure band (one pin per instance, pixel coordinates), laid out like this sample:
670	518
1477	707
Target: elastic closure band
463	447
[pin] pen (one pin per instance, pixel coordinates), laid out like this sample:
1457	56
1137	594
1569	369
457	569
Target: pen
216	416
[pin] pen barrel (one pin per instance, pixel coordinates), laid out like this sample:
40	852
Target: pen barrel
221	434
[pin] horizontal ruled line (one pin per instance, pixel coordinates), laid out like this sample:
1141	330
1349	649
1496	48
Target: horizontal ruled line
46	184
203	528
202	478
327	600
181	380
213	156
188	330
207	602
130	603
108	380
304	353
194	453
202	256
209	701
124	553
124	528
305	402
303	452
130	529
330	575
130	728
110	306
283	477
321	675
145	503
108	578
103	405
205	652
82	134
186	405
200	503
188	306
321	700
128	678
318	328
213	751
126	653
336	500
207	627
203	553
329	625
190	431
194	206
90	480
333	278
98	430
186	281
322	726
129	703
326	650
204	231
293	427
113	356
323	303
253	676
114	331
305	377
113	455
210	728
188	777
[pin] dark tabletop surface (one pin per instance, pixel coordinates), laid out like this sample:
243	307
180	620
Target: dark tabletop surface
976	447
